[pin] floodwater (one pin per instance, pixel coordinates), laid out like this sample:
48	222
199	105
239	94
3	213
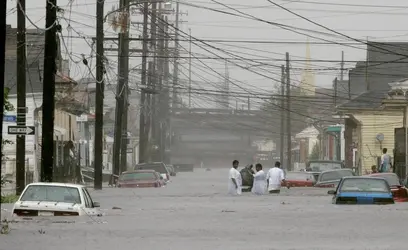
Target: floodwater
194	212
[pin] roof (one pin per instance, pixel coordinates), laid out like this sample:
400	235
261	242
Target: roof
369	100
139	171
337	170
58	184
363	177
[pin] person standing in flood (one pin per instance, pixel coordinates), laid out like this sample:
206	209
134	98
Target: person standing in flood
385	162
234	180
259	186
274	178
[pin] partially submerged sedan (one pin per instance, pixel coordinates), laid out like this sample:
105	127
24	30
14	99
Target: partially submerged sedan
55	199
299	179
362	190
330	179
399	192
140	179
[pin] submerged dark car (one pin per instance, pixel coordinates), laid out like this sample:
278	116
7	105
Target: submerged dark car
362	190
330	179
318	166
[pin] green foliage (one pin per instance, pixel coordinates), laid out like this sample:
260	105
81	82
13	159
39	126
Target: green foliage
8	198
314	155
7	107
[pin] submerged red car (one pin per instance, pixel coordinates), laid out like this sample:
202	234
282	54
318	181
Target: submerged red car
399	192
299	179
140	179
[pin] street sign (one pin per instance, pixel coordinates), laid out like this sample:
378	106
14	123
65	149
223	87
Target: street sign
21	130
9	118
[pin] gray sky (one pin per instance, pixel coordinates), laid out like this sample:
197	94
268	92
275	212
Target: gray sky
382	21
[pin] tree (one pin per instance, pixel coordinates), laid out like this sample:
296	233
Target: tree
7	107
315	154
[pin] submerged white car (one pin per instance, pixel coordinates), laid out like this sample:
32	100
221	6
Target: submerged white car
55	199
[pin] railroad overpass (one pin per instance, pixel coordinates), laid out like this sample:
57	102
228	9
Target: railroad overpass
217	136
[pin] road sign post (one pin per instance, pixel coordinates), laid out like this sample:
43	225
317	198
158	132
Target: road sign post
21	130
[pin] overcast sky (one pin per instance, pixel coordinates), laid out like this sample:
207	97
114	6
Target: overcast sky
379	21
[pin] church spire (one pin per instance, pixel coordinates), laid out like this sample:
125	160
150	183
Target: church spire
307	84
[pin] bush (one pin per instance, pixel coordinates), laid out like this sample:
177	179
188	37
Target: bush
8	198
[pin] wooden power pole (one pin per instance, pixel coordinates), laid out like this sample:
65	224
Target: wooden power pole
282	117
50	53
100	88
21	95
143	137
121	87
3	21
288	124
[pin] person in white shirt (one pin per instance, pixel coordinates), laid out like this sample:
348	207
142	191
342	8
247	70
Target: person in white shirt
259	186
234	180
274	178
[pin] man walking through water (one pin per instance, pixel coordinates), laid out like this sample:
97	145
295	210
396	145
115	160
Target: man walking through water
234	180
274	178
259	186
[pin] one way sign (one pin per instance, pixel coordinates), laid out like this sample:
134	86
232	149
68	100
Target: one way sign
21	130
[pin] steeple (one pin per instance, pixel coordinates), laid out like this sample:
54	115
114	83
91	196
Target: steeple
307	84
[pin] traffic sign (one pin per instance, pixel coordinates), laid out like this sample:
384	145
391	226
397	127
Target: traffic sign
21	130
9	118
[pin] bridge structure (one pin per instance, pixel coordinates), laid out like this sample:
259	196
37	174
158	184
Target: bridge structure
214	137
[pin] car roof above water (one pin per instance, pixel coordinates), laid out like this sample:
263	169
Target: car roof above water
57	184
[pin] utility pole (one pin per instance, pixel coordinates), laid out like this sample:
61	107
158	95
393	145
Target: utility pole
288	125
50	53
121	87
166	129
153	99
3	21
335	92
189	69
176	55
142	126
282	116
21	95
342	67
100	88
161	97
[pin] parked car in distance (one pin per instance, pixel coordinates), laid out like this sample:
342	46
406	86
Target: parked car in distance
55	199
399	192
362	190
171	169
159	167
330	178
299	179
140	179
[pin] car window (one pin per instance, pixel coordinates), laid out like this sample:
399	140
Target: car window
298	176
156	167
88	202
137	176
392	179
51	193
364	185
324	166
335	175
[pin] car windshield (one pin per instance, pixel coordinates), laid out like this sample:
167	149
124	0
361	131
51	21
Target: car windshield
323	166
156	167
51	193
298	176
335	175
392	179
138	176
364	185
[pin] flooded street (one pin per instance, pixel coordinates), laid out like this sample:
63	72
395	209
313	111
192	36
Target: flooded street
194	212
